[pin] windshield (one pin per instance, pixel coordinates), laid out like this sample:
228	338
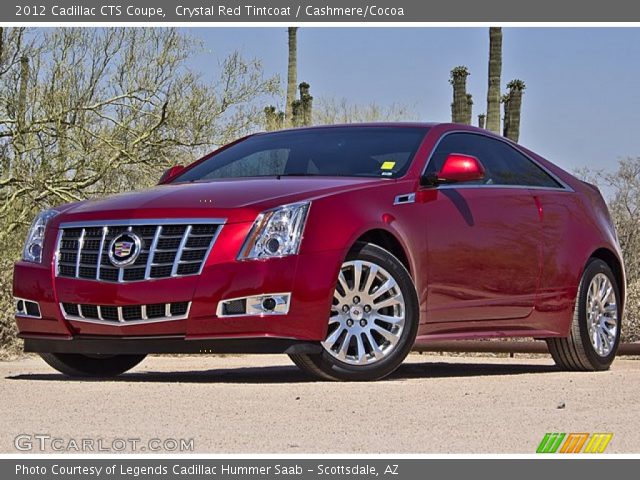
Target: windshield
384	152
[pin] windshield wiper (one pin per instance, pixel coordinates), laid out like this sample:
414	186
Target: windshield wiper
298	175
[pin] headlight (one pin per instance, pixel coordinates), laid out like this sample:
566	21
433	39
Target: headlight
276	233
35	239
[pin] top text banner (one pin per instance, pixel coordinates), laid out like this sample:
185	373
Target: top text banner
373	11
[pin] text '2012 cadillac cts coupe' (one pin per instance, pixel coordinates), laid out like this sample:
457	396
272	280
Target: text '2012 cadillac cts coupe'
341	246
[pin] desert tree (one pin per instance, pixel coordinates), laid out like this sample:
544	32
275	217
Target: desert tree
87	112
328	110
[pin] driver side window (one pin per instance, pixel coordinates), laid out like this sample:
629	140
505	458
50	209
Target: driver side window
454	143
504	165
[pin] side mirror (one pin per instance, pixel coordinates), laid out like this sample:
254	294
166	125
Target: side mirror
169	173
457	168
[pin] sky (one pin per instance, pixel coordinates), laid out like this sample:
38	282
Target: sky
581	107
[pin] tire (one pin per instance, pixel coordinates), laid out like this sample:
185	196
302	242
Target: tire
76	365
580	351
366	344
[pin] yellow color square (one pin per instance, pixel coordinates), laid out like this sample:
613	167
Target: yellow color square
388	165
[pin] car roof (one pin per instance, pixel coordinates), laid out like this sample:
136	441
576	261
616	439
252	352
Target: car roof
364	124
426	125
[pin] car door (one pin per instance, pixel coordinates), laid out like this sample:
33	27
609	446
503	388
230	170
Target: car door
484	237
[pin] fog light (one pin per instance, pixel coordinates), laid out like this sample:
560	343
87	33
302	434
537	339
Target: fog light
267	304
27	308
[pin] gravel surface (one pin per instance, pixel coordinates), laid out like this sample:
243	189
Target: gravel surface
263	404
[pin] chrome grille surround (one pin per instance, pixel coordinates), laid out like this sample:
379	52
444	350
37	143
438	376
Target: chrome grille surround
123	315
170	248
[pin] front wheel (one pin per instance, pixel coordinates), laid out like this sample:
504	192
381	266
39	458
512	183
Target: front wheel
595	331
373	320
101	366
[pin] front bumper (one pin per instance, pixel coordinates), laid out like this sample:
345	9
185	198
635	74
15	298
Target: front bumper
102	345
310	278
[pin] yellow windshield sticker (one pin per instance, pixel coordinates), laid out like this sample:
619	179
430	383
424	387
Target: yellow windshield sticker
388	165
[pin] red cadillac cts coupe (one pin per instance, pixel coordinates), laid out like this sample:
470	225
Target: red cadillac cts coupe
341	246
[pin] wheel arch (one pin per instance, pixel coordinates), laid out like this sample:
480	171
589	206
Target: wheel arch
615	264
387	240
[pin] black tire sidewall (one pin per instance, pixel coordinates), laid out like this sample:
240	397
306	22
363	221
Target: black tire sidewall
340	370
593	268
78	365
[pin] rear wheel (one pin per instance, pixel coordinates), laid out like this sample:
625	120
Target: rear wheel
595	331
373	319
76	365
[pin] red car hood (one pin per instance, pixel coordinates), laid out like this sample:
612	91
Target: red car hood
237	200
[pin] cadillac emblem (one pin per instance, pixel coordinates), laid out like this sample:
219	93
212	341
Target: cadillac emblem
124	249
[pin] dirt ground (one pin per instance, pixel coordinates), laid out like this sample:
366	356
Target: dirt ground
263	404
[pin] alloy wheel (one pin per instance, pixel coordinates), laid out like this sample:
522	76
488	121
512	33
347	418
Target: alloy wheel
367	315
602	314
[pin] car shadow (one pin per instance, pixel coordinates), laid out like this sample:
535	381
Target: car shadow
291	374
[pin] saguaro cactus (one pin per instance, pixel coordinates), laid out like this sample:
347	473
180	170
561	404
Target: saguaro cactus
513	109
504	99
495	71
460	101
296	109
469	112
306	103
292	73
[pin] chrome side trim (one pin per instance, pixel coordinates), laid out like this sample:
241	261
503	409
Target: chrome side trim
458	186
143	221
564	186
121	321
404	199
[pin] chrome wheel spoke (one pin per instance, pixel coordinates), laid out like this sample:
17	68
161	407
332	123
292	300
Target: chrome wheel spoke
399	320
389	302
357	275
361	354
368	317
390	337
375	348
342	353
333	337
371	276
343	283
384	288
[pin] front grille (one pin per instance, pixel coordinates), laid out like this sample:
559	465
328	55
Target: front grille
126	314
166	250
